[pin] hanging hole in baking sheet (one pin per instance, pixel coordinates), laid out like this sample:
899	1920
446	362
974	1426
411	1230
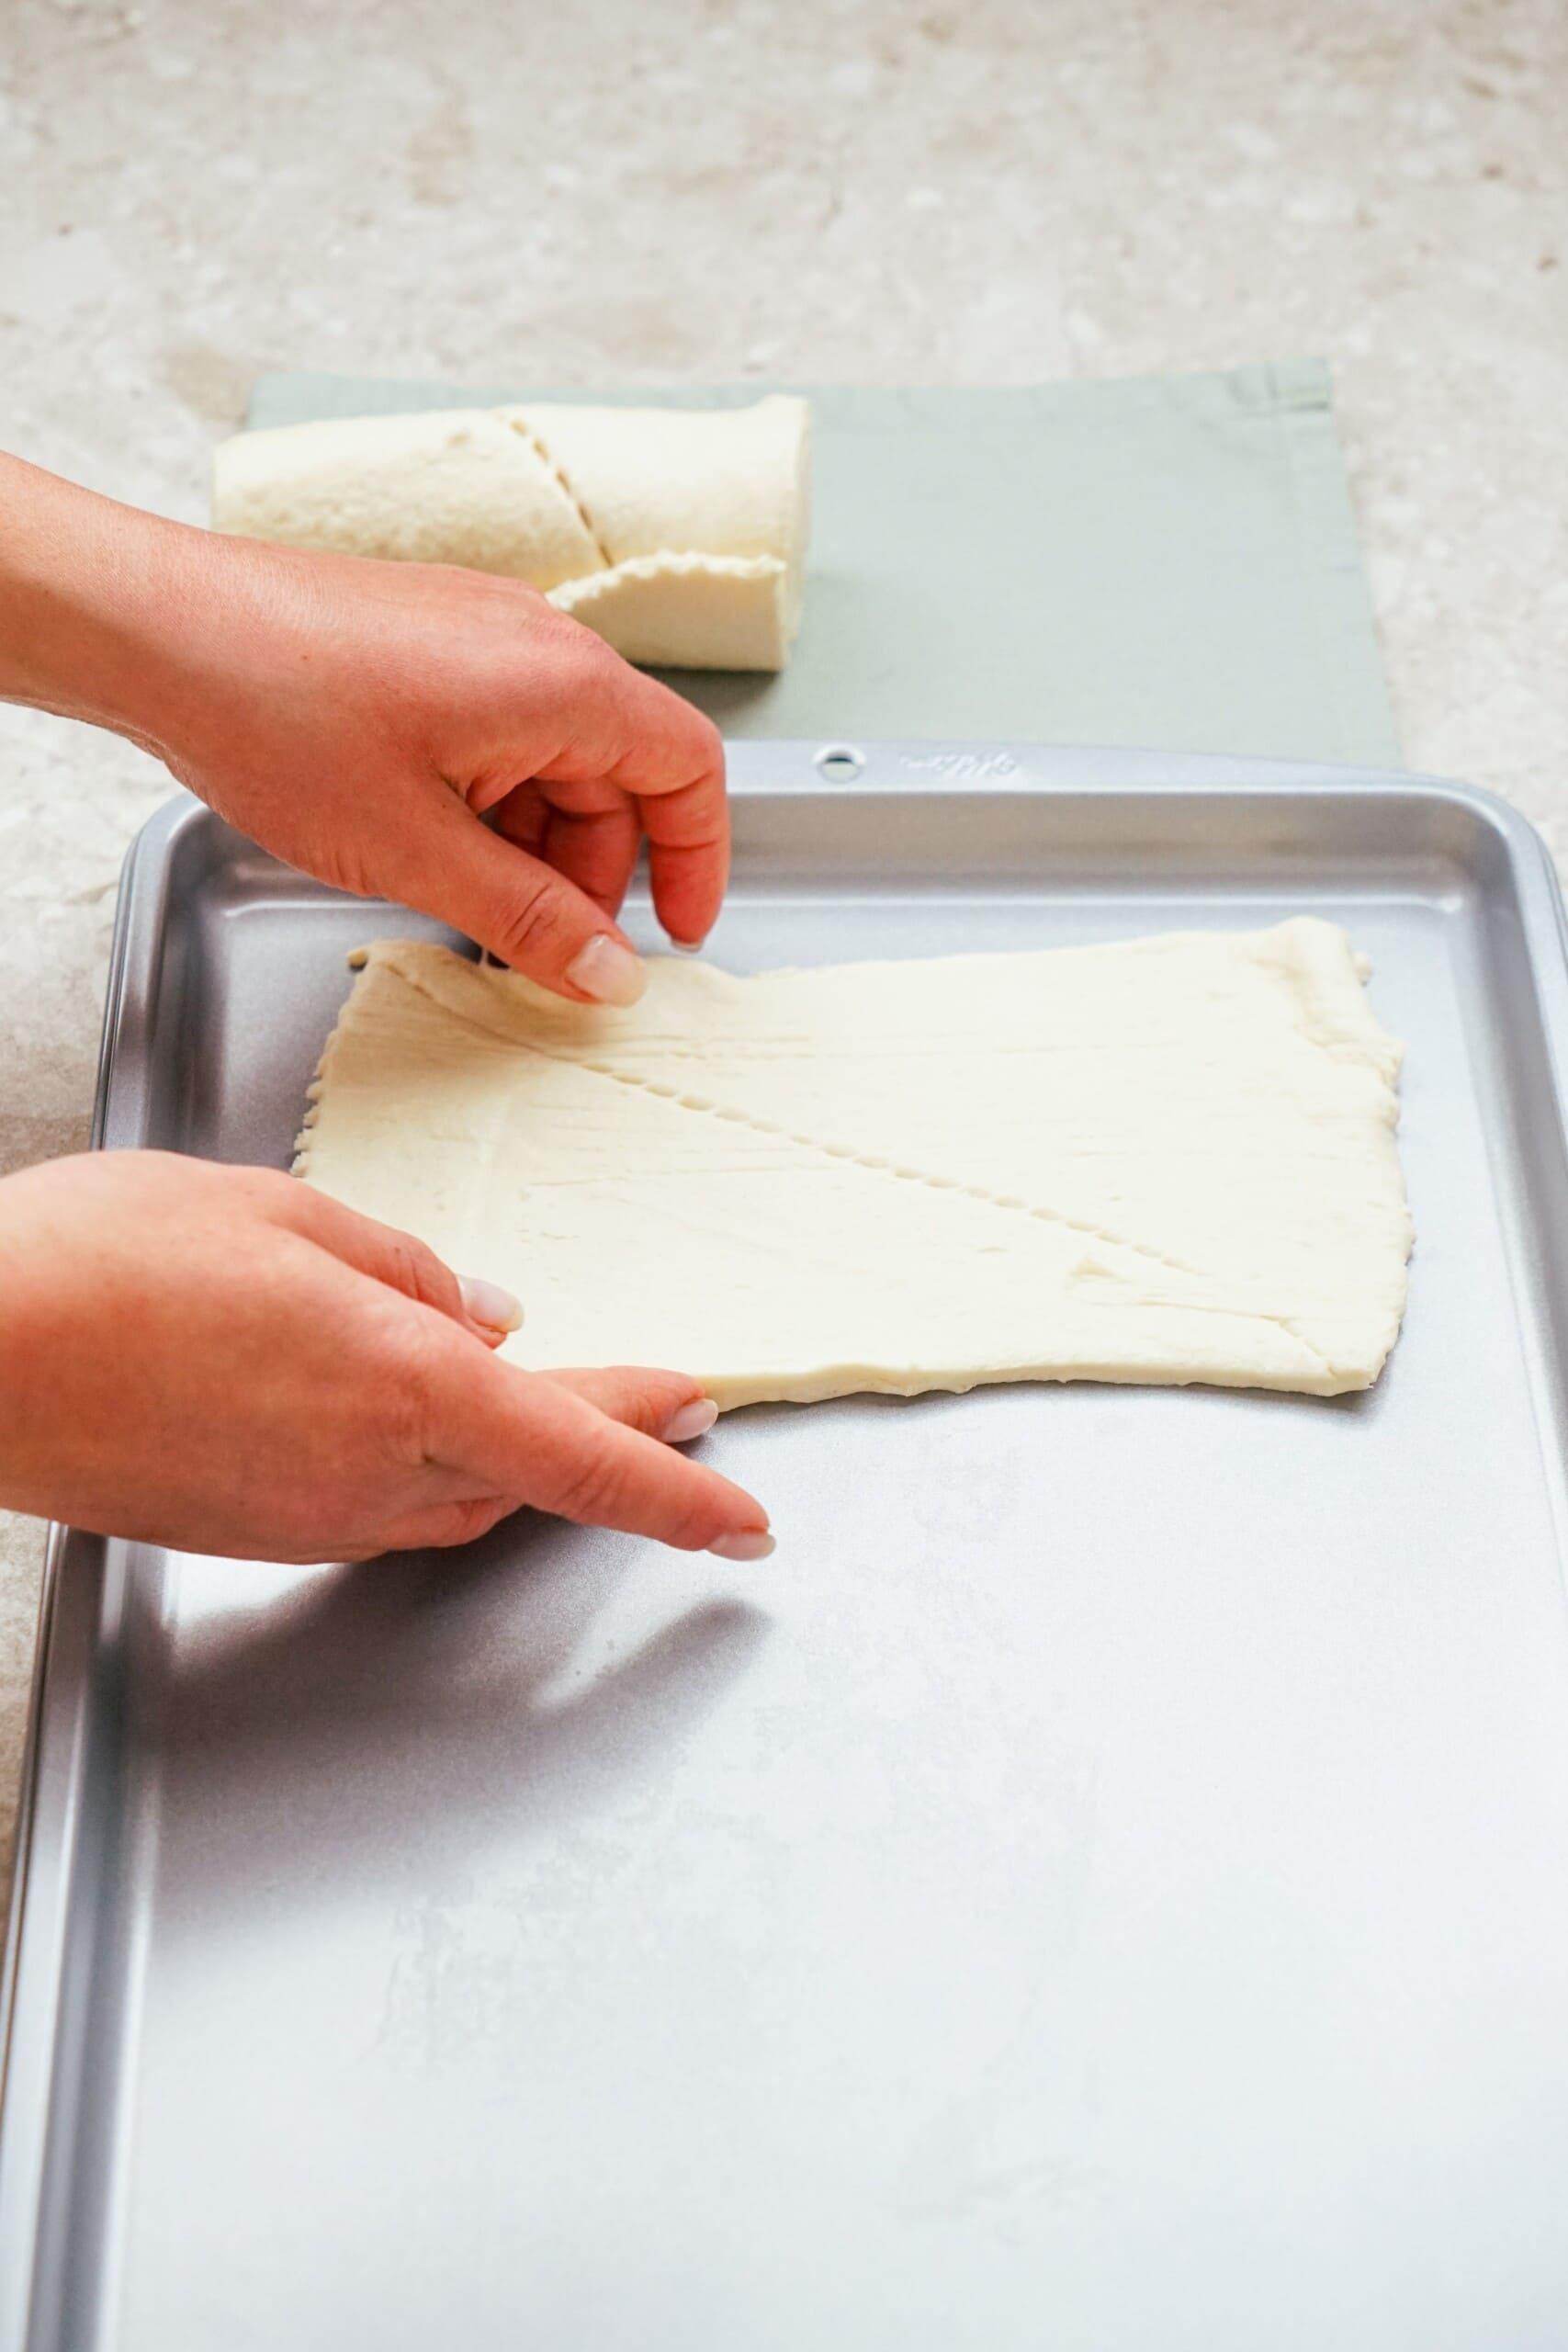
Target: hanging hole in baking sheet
840	763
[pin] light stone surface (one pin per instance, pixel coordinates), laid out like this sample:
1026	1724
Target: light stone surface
614	194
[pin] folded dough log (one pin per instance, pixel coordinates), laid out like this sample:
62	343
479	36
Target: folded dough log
678	534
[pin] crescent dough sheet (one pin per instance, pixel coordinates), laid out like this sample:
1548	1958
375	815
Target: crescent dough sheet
679	534
1171	1161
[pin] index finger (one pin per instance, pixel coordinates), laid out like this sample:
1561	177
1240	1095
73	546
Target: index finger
670	759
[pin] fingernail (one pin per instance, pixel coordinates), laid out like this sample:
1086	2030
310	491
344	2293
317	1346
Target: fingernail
692	1421
606	972
754	1544
488	1304
688	946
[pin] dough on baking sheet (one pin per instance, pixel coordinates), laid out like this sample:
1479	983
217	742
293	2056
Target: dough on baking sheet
1171	1160
682	530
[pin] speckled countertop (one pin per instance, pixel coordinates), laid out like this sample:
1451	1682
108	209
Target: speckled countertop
627	191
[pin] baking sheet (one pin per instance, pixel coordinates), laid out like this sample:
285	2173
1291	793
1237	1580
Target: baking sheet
1104	1882
1153	559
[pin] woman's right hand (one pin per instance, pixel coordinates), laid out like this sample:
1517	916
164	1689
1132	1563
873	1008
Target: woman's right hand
405	731
221	1360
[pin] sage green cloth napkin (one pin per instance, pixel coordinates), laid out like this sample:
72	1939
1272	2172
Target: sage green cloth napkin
1170	563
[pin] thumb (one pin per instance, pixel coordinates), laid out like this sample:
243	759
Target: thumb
530	916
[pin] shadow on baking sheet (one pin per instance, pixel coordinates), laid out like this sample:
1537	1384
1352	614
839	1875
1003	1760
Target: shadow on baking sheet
370	1703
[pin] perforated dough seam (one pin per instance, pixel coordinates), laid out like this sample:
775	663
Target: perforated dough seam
1007	1202
526	433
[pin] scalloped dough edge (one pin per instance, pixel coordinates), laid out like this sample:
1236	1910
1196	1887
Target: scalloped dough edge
690	612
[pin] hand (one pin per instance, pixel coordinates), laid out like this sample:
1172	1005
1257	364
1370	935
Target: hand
360	719
221	1360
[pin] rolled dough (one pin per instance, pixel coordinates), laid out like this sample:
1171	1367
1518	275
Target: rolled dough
1172	1161
678	534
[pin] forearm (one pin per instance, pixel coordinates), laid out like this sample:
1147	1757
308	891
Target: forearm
46	1278
83	580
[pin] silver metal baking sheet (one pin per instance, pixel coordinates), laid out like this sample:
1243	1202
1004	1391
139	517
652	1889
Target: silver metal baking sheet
1104	1884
